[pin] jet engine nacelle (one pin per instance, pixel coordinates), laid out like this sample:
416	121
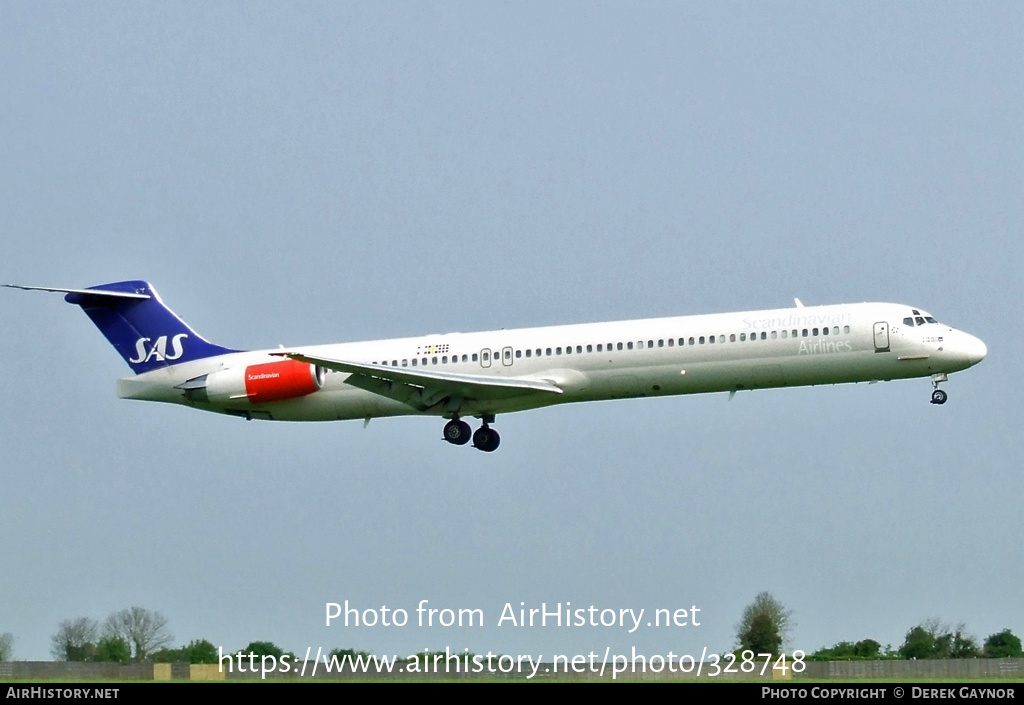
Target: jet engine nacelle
260	384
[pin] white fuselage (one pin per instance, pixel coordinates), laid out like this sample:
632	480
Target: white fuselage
654	357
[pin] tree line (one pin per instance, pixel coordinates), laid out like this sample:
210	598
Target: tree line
139	634
929	640
132	634
766	623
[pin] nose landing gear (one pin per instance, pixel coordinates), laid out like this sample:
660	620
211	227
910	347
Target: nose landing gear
939	396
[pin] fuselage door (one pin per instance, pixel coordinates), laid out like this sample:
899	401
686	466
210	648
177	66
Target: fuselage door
881	337
506	357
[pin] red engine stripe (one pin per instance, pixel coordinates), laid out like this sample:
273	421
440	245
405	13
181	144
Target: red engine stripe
275	381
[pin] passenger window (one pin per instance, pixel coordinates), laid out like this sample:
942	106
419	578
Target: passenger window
568	350
414	362
691	340
433	360
558	351
661	343
444	360
815	331
549	352
732	337
785	334
528	353
835	330
619	346
805	332
474	357
743	337
629	345
764	336
824	331
650	343
711	338
670	341
599	347
590	348
701	340
775	334
846	329
579	348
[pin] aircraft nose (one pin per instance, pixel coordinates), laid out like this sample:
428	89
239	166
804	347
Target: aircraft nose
976	350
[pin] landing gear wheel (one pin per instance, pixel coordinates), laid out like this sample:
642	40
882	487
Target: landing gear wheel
486	439
457	432
938	396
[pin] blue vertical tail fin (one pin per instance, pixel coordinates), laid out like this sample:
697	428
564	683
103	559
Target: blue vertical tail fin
146	333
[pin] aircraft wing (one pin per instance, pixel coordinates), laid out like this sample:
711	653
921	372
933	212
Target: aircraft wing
427	389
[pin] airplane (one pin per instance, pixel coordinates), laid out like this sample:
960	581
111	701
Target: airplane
459	375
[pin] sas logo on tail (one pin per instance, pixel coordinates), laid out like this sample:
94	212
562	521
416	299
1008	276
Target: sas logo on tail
158	350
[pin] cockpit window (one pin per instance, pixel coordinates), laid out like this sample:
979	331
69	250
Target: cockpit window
919	317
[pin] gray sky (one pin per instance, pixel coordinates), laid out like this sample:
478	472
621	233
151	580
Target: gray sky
313	173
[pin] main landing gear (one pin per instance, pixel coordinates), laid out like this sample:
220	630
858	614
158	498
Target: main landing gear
939	396
486	439
457	432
